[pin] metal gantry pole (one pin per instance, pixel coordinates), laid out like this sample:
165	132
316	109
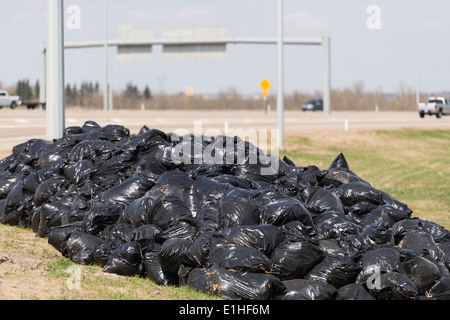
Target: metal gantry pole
55	70
106	89
280	90
327	76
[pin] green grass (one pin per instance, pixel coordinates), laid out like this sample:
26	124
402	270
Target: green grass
411	165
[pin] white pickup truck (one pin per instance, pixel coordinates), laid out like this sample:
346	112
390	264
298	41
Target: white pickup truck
9	101
438	106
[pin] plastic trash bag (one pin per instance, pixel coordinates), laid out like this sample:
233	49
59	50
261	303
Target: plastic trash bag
171	253
80	247
153	269
131	189
335	270
302	289
237	257
353	291
238	208
234	285
394	286
423	272
100	216
125	260
262	237
295	259
286	210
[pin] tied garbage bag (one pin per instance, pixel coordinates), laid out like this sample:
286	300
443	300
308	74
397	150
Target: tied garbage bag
263	237
295	259
131	189
235	285
80	247
238	208
335	270
286	210
236	257
125	260
394	286
353	291
301	289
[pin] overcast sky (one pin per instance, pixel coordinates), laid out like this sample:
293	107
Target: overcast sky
382	58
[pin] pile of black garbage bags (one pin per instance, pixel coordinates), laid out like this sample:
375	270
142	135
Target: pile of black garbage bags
149	204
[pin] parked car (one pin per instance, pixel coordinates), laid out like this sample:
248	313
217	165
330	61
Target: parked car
434	106
313	105
9	101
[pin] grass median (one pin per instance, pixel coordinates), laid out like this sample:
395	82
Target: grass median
411	165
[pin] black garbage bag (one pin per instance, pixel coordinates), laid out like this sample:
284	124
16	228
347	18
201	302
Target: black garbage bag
119	234
153	269
49	189
80	247
32	181
238	208
79	171
286	210
181	230
421	242
439	233
116	165
193	278
99	217
198	253
353	291
57	236
295	259
7	183
302	289
297	231
131	189
174	183
125	260
423	272
51	215
319	200
237	257
263	237
381	214
267	196
373	236
352	193
235	285
335	270
440	290
138	212
386	259
309	176
210	189
208	216
146	235
93	150
335	226
288	184
171	253
168	211
394	286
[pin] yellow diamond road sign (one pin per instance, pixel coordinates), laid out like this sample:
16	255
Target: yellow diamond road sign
264	85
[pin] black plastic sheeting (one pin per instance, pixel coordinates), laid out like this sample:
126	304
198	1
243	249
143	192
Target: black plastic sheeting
192	211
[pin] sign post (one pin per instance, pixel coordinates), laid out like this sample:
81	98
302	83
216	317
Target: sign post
265	85
55	70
